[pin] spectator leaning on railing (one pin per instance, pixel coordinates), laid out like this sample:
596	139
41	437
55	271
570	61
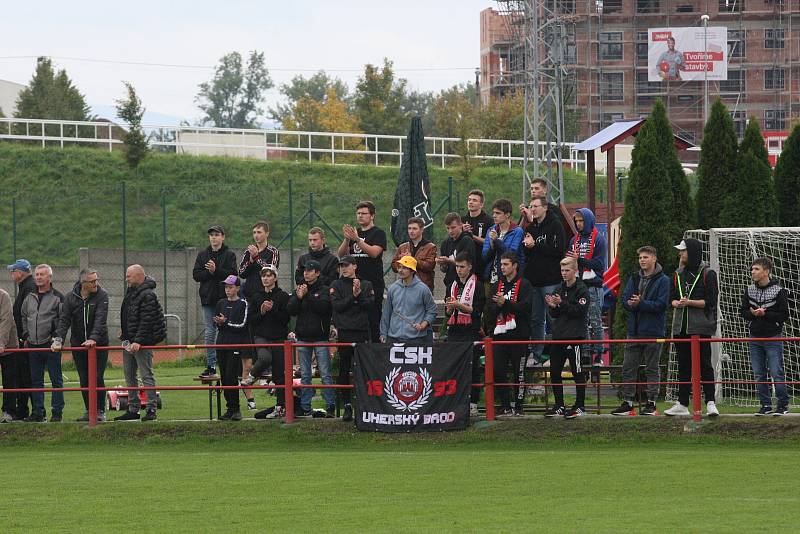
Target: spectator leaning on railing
20	272
230	315
8	340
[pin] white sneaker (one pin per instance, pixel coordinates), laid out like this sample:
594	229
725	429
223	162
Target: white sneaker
473	409
711	409
248	380
6	418
678	409
251	404
277	413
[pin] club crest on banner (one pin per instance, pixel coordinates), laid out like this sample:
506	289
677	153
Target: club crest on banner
408	390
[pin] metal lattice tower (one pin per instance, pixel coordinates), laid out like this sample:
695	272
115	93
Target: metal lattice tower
541	27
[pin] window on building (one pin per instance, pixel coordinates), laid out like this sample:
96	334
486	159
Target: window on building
611	86
570	47
685	7
774	120
612	6
611	45
773	38
611	118
731	6
686	136
736	43
739	122
641	46
644	87
648	6
734	83
561	6
773	78
686	98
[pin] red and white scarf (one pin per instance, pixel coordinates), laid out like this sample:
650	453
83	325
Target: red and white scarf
507	322
459	317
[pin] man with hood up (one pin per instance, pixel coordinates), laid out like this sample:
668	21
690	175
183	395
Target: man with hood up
589	247
84	313
694	298
646	299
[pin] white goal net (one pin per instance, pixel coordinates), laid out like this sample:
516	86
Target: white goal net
730	252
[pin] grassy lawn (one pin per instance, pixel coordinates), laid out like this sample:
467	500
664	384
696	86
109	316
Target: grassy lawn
519	476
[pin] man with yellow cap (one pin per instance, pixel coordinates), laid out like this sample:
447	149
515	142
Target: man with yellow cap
409	309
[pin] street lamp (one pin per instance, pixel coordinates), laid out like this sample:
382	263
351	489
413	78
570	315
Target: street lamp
705	18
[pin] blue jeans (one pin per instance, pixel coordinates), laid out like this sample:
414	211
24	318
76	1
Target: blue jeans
324	364
768	356
539	315
52	361
595	320
210	335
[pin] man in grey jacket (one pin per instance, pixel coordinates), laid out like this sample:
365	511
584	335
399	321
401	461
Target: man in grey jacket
409	310
40	314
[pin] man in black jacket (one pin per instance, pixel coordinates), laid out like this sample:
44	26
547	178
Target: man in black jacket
511	306
142	321
569	307
311	303
18	373
765	307
318	250
84	313
545	245
213	265
457	242
351	299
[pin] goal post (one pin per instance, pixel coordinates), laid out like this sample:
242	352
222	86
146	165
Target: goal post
730	252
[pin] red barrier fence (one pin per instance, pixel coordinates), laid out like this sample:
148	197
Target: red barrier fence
489	384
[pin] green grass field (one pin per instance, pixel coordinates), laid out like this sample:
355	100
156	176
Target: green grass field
593	474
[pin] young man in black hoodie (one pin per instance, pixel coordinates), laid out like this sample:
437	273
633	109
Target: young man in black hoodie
269	323
84	313
212	266
545	245
318	250
351	299
311	303
694	300
230	315
257	256
765	307
569	307
511	305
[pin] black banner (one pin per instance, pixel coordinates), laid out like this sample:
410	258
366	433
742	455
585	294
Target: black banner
410	388
412	197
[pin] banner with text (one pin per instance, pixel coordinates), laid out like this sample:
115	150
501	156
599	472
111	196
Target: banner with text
684	54
410	388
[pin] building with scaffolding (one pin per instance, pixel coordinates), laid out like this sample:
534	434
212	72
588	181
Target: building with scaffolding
605	52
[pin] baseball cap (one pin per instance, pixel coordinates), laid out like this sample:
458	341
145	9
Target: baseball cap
347	260
20	265
216	228
269	268
681	245
312	265
408	261
232	280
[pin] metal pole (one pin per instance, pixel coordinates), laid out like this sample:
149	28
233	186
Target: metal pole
291	229
92	356
14	229
311	209
705	18
124	238
288	380
164	242
696	410
488	381
449	194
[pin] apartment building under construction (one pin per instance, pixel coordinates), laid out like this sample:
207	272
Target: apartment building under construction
606	54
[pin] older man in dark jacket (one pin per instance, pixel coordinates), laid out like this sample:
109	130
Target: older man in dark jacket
19	374
84	313
142	322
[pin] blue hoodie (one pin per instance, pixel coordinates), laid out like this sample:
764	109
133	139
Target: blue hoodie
591	268
406	305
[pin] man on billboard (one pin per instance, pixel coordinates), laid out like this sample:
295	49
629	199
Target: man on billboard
670	62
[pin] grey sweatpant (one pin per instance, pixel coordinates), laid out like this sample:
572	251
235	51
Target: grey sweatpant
635	354
141	362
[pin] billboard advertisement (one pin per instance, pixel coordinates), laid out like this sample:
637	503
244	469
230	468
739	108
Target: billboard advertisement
679	54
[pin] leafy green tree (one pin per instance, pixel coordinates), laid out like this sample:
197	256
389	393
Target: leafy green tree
455	115
380	100
716	172
233	97
131	111
751	200
51	95
787	180
315	87
648	204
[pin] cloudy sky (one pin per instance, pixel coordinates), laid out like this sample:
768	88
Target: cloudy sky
165	49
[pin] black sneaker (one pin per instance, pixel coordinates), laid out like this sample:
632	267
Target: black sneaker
518	411
764	410
56	418
150	416
35	417
305	413
330	411
649	409
348	413
555	411
210	371
236	416
128	416
575	411
505	410
624	409
226	416
781	410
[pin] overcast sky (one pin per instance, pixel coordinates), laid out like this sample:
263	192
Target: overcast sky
297	37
